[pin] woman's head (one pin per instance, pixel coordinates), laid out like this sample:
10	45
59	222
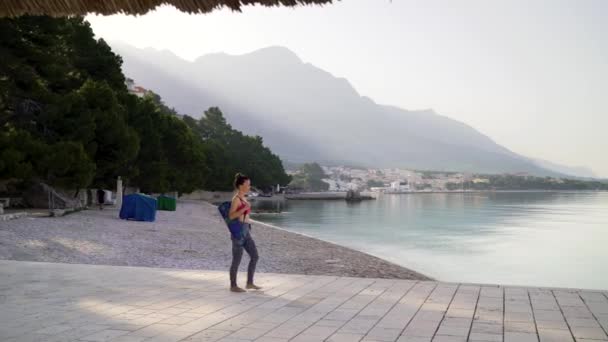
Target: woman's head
242	183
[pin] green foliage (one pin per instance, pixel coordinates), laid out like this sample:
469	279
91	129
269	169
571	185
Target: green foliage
313	170
230	151
309	178
58	90
64	163
423	186
513	182
66	118
116	144
454	186
185	155
374	183
158	101
18	151
68	165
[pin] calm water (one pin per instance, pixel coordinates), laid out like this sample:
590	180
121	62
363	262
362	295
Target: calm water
542	239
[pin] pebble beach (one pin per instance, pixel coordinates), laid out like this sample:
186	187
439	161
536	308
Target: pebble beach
193	237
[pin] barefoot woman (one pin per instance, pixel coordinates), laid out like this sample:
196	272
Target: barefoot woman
240	210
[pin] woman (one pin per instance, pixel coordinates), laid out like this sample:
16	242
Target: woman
240	210
101	196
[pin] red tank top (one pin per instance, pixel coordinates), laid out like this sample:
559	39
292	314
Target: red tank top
241	206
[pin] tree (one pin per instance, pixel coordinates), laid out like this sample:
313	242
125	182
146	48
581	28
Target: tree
172	157
309	178
18	154
62	164
185	154
66	118
116	143
68	166
454	186
313	170
374	183
59	84
158	101
229	151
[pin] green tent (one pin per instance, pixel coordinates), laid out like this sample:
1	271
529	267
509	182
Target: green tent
166	203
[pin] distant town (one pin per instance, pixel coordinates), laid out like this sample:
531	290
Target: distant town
394	180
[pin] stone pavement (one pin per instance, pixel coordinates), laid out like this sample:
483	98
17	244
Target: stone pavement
65	302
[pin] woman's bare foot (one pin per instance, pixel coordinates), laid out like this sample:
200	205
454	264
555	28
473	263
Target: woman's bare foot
237	289
253	287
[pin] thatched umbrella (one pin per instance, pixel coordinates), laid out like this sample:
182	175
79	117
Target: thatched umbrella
13	8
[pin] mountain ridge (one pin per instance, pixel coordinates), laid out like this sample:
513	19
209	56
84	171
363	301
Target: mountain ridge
306	113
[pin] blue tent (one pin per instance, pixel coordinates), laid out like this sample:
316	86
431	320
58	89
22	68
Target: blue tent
138	207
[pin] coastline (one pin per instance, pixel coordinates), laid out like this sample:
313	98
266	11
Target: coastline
415	275
193	237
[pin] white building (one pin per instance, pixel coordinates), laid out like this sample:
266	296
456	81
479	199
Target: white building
135	89
399	186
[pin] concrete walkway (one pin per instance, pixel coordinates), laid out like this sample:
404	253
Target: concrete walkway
63	302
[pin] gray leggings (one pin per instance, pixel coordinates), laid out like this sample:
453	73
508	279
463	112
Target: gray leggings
237	253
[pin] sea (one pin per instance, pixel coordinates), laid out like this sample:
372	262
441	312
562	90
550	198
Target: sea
553	239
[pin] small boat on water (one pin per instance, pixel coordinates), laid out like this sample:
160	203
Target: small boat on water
353	196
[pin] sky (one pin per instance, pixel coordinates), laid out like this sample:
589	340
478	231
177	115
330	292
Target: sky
532	75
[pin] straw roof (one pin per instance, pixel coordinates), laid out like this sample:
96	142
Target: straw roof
13	8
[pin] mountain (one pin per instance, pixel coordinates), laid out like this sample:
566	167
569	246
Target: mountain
577	171
307	114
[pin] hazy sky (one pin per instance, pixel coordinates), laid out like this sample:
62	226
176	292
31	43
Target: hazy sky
532	75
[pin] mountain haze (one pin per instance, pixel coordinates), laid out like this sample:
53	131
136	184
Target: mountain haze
307	114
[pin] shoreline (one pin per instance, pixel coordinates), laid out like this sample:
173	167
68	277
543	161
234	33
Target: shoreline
483	191
193	237
270	226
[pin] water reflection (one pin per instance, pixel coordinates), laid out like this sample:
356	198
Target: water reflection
501	236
